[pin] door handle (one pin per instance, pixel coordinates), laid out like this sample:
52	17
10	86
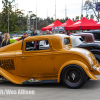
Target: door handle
23	57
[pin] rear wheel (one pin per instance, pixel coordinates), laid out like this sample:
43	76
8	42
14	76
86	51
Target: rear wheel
73	76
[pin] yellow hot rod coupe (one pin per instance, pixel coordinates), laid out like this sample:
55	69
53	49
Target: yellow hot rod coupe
45	58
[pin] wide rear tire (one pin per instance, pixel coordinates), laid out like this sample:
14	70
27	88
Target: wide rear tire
73	76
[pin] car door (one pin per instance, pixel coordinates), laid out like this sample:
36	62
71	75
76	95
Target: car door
37	62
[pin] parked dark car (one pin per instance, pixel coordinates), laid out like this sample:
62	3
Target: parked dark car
96	34
86	37
94	47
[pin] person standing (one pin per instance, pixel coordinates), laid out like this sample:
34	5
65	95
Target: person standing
60	32
25	35
1	38
4	32
64	32
6	40
34	33
47	32
68	33
36	43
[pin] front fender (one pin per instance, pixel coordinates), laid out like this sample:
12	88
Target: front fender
12	78
79	63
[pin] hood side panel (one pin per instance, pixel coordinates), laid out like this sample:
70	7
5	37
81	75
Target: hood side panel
12	47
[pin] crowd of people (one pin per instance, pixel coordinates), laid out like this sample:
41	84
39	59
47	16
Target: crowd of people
64	32
6	39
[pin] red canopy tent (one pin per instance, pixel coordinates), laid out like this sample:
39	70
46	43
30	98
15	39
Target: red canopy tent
76	21
83	24
93	21
98	23
54	24
67	23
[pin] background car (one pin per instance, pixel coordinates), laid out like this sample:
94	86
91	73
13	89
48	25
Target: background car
96	34
94	47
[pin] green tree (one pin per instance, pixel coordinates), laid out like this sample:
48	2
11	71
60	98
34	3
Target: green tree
77	18
7	11
81	16
92	16
16	20
91	5
87	16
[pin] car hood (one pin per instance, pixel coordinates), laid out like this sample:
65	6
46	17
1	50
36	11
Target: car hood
12	47
9	54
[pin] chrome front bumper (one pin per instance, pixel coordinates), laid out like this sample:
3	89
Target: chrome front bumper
96	69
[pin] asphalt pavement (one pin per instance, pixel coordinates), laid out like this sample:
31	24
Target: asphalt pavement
90	91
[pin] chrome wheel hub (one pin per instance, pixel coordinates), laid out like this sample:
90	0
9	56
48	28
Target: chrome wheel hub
73	76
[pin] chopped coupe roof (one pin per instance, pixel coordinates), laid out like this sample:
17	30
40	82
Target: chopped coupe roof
47	36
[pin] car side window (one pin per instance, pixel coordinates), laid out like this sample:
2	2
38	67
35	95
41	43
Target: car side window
66	41
96	37
84	39
37	45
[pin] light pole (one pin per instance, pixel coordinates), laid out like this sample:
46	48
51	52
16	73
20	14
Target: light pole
8	20
28	20
36	15
82	8
55	9
33	21
65	12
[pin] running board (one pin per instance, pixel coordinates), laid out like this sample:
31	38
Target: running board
39	81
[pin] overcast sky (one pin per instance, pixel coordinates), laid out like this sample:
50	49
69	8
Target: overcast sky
44	6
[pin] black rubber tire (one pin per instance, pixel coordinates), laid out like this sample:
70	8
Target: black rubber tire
97	56
78	72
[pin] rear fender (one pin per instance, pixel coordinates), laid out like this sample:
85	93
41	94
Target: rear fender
79	63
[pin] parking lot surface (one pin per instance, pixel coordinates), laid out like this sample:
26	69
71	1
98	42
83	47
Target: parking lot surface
90	91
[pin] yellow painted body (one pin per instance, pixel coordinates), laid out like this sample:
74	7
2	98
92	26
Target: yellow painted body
18	65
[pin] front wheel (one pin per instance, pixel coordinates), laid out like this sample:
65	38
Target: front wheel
73	76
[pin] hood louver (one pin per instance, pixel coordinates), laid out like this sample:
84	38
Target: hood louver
7	64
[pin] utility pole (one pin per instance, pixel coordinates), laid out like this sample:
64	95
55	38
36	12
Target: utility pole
8	20
82	8
55	9
36	15
98	12
65	12
47	13
33	21
47	16
28	20
8	17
